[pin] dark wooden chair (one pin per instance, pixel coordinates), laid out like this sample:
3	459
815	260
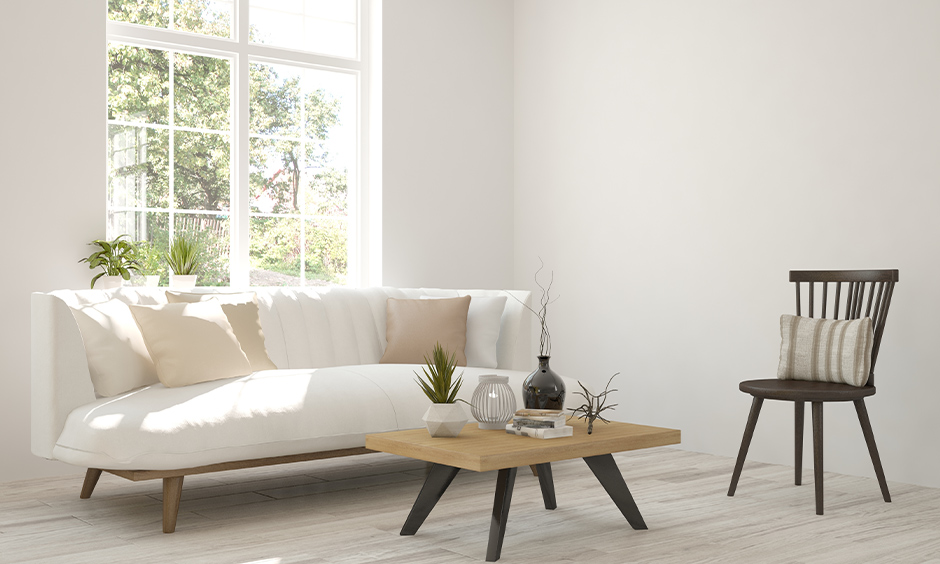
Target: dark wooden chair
870	290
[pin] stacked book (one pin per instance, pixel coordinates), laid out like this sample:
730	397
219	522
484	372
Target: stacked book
540	424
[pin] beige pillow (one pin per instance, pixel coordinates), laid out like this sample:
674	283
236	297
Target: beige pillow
483	319
242	312
190	343
825	350
118	360
414	326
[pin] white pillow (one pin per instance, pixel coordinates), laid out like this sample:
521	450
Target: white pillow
482	329
118	360
241	309
191	342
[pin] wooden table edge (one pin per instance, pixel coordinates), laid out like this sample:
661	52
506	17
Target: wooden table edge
549	450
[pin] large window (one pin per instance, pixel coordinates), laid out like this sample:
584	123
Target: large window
240	124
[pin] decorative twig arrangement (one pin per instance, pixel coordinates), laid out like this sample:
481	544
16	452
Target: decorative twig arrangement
545	341
595	405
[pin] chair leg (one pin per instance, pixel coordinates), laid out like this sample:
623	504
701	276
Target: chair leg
91	480
798	441
872	449
818	454
745	442
172	490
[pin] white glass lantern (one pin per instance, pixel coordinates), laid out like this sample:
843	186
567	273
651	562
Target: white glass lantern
493	403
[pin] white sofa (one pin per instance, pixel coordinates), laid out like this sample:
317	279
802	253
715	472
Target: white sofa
328	392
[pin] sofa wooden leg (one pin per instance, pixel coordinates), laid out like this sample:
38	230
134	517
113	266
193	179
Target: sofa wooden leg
535	469
91	480
172	489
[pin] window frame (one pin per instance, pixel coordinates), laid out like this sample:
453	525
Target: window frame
242	53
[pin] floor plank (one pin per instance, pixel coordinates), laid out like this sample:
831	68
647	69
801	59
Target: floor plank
350	510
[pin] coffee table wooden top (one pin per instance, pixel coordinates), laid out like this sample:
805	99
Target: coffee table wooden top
482	451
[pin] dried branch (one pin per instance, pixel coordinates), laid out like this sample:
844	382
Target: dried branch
545	339
596	404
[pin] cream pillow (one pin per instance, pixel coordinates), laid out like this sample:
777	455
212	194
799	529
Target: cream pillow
118	360
242	312
190	342
483	320
414	326
825	350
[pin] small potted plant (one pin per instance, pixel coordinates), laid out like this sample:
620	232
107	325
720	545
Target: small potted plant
445	418
117	259
151	263
183	260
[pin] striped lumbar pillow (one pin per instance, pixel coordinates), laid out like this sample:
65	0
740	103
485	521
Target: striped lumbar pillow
825	350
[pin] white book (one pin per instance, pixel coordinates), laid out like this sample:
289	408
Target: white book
544	433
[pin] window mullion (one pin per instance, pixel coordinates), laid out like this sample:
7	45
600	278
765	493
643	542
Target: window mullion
241	223
171	147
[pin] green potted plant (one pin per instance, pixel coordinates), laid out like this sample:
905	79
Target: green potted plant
183	260
117	259
152	266
445	417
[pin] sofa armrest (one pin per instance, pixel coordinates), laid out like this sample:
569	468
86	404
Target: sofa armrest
60	380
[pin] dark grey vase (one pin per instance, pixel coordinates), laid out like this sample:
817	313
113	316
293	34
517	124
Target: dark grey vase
543	389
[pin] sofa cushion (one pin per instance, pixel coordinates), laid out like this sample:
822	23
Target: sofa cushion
118	360
413	327
483	320
190	342
270	413
242	312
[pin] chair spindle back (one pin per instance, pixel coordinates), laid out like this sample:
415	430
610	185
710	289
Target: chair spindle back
867	291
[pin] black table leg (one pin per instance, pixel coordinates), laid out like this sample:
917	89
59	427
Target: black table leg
439	477
504	483
605	468
548	485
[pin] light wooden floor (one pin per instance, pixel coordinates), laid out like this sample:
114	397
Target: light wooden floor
350	510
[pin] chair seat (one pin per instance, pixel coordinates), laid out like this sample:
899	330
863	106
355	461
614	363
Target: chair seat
798	390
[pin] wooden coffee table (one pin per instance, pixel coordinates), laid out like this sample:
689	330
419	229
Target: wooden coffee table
481	451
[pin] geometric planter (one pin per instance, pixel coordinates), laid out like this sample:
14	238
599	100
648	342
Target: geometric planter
445	419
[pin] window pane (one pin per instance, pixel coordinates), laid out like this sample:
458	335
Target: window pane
275	100
206	17
274	176
201	91
153	13
325	253
211	232
330	146
326	193
138	166
201	171
329	27
275	251
138	84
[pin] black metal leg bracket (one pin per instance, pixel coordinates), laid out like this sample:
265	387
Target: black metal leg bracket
439	477
607	473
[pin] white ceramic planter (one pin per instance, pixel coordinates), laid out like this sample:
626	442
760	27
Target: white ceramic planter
152	280
109	282
180	282
445	419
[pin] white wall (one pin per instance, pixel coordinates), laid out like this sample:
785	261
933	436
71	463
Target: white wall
674	159
53	202
447	179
